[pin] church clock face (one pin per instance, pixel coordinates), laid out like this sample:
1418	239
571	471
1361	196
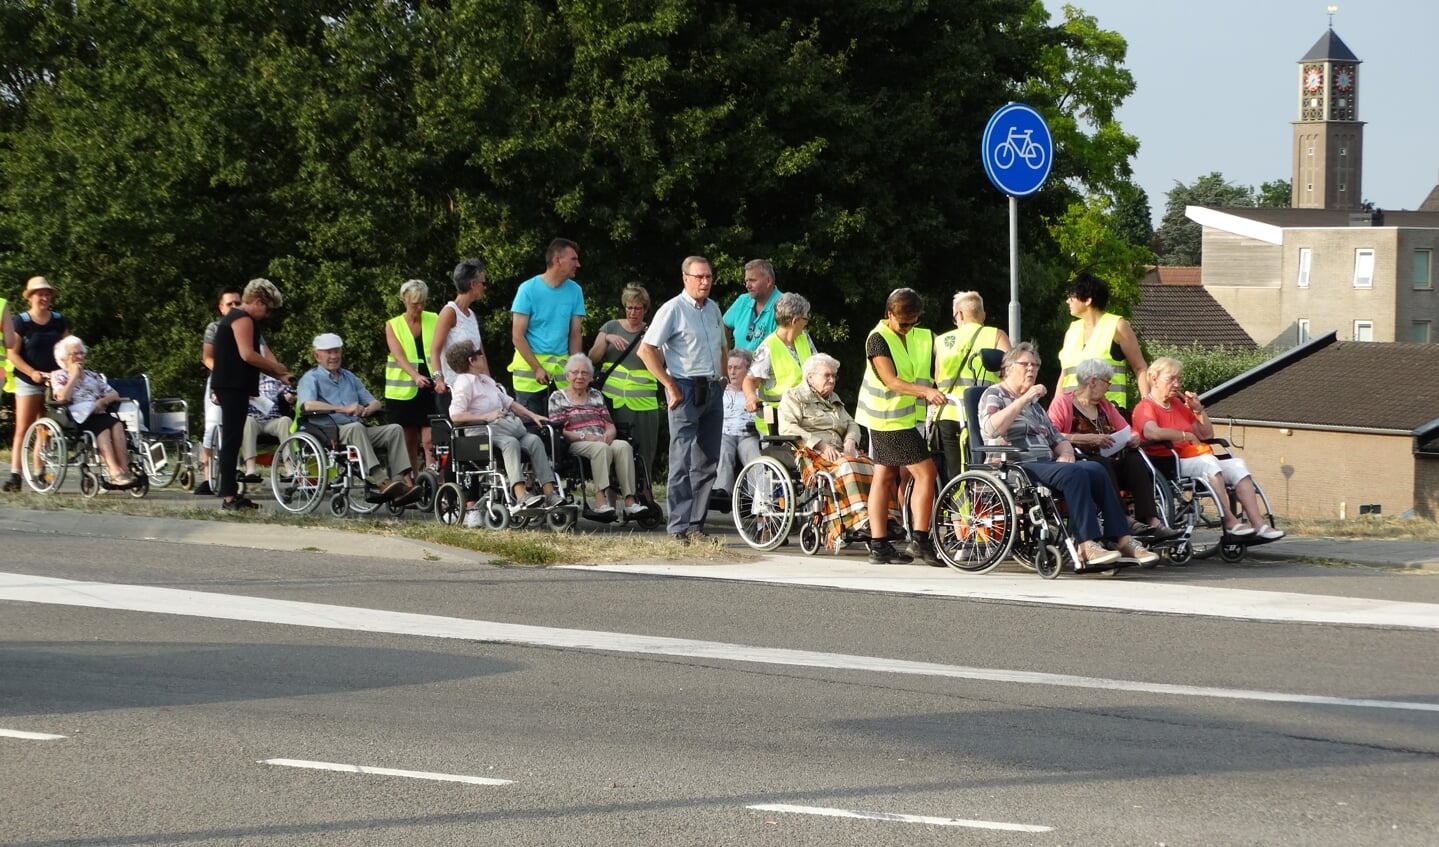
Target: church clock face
1313	79
1344	79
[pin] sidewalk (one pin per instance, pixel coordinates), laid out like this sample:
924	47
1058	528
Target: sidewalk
1399	555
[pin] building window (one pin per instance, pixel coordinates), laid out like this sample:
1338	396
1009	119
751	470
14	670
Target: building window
1303	330
1419	332
1364	268
1305	257
1363	330
1423	268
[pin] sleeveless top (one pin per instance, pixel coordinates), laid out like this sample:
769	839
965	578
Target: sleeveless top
466	328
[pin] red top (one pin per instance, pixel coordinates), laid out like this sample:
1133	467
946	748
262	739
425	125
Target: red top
1177	416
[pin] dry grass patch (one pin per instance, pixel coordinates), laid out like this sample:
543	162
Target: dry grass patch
1376	527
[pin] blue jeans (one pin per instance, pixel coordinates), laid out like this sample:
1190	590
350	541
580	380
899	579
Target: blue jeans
694	455
1089	495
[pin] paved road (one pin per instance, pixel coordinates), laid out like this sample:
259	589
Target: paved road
201	684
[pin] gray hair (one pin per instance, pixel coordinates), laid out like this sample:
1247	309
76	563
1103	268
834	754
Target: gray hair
968	301
789	308
1164	365
414	291
762	265
741	353
1092	369
690	260
580	358
1014	353
263	290
67	345
820	360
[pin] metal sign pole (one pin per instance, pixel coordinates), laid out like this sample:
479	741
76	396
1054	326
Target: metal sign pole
1014	269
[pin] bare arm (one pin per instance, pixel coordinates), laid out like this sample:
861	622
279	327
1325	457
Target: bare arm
654	360
207	355
884	369
244	330
519	325
576	329
1129	345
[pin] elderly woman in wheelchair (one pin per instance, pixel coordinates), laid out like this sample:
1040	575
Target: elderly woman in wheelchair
585	423
1168	413
1010	415
475	398
91	402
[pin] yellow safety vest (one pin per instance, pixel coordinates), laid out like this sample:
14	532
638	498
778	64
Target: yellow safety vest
882	410
1097	346
523	379
632	388
785	373
9	366
970	339
398	384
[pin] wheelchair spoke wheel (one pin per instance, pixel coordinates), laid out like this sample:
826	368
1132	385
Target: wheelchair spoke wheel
141	488
763	503
89	483
299	473
44	456
355	494
974	522
449	504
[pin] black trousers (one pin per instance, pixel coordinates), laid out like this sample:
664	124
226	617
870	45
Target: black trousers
234	408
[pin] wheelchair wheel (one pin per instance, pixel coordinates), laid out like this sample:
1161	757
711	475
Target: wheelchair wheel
427	481
449	504
653	515
494	515
185	478
1231	552
339	505
44	456
810	539
212	465
141	488
974	523
299	474
1180	554
763	503
562	518
89	483
1048	561
355	494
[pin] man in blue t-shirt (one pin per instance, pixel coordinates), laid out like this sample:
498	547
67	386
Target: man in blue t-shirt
750	319
547	315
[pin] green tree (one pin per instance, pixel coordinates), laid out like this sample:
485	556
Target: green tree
1179	240
1275	194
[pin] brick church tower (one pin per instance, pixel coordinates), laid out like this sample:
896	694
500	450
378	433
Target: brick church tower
1328	137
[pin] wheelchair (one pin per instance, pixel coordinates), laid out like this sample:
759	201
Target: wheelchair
471	472
312	465
771	497
55	442
573	469
1192	505
158	430
991	512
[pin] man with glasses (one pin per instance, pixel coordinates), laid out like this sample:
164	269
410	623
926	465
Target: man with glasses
751	317
546	319
685	350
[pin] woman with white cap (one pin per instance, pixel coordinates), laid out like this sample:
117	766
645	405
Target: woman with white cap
31	347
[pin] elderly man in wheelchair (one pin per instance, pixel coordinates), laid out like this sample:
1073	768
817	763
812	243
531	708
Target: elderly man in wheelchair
332	390
84	409
977	516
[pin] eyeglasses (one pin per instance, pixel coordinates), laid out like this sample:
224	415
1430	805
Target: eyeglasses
701	277
577	373
1029	366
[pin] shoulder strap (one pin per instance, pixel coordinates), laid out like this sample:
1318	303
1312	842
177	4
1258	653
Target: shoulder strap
964	360
605	372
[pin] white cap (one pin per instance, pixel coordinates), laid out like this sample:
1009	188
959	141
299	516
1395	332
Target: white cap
328	341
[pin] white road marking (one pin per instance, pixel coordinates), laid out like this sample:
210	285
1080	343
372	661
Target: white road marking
335	766
1134	594
234	607
29	736
896	818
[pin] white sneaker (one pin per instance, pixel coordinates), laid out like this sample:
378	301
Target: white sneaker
606	509
474	519
635	508
1240	530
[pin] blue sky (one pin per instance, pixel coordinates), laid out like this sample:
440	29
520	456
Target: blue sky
1217	88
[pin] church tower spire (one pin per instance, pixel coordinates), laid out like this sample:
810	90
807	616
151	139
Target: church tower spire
1328	137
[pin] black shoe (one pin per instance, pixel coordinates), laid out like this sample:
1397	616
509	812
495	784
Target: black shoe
239	504
204	489
881	552
1164	533
921	547
250	478
13	483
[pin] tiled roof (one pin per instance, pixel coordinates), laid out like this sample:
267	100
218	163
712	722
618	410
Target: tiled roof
1174	275
1329	47
1184	313
1345	384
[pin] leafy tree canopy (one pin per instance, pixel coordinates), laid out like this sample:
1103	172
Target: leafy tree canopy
1179	240
153	151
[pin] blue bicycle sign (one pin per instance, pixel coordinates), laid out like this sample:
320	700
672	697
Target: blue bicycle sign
1017	150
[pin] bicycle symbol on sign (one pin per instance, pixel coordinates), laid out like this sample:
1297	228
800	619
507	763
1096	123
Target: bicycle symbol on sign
1018	145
